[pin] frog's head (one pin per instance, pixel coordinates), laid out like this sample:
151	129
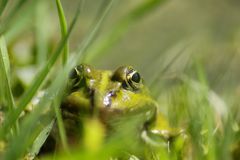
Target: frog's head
107	91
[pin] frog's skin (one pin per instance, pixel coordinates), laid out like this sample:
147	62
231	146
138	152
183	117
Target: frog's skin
110	94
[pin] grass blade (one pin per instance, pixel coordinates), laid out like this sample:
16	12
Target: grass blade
3	5
41	28
56	104
5	82
176	52
63	25
39	141
4	56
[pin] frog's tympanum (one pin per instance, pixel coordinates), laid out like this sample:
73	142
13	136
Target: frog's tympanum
109	95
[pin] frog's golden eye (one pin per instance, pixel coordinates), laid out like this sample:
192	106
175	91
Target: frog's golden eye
78	75
79	71
133	79
129	77
136	77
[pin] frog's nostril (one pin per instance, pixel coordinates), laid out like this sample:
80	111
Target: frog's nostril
112	93
107	101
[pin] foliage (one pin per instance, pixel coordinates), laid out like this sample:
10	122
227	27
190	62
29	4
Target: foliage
187	55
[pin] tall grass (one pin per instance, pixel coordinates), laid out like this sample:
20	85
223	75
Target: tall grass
186	99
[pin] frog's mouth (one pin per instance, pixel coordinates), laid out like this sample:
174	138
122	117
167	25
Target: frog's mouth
105	113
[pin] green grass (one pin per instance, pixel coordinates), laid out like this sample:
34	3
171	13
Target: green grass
188	98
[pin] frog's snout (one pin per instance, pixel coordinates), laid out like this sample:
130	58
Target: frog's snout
107	100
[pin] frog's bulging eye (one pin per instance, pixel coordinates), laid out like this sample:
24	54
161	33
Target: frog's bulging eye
78	75
129	77
133	79
80	71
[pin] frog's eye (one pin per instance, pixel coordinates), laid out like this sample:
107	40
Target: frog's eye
78	76
130	78
80	71
133	79
136	77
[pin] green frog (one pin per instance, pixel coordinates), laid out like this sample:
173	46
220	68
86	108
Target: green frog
110	95
109	102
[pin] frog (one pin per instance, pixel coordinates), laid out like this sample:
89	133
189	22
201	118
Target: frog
109	95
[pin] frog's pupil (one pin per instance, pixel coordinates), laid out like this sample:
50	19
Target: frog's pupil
136	77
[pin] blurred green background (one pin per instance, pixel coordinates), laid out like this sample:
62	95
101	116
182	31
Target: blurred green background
165	40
